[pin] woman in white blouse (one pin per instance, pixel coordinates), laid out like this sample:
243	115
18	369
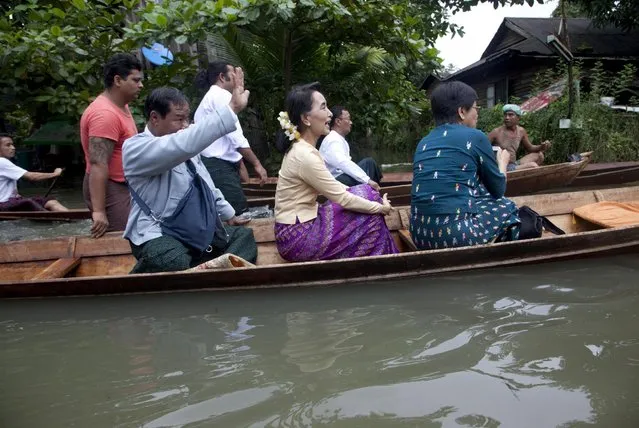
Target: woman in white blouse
351	223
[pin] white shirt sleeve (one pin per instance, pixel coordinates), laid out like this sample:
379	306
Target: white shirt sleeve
10	170
335	152
239	140
205	108
216	99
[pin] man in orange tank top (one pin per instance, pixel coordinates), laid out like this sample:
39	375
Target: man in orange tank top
105	125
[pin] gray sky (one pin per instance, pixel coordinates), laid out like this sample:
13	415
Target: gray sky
480	25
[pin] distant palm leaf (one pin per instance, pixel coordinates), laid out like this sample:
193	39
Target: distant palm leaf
354	60
218	48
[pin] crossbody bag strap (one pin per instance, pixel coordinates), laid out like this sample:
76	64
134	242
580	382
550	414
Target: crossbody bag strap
143	206
191	166
551	227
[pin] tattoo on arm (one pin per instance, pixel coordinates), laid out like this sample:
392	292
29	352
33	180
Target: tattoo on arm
100	150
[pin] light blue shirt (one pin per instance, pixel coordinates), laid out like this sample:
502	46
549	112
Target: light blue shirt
155	167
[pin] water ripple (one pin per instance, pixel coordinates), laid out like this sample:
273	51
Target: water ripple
214	407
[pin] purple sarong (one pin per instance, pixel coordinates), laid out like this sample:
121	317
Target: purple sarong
336	233
19	203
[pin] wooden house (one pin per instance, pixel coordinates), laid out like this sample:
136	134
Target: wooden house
519	51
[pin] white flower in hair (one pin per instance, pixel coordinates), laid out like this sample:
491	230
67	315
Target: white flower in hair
290	130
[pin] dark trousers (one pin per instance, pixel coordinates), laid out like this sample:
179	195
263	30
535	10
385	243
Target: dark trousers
226	177
19	203
370	168
117	203
167	254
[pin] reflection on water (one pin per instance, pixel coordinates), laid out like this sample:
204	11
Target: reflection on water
542	346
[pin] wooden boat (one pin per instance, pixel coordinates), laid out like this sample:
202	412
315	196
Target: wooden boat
528	181
84	266
396	178
610	173
624	172
602	167
79	214
253	187
522	182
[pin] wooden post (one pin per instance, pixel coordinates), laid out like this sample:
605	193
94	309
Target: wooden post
571	75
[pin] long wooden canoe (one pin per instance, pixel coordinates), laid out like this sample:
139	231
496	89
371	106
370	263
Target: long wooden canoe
253	187
621	175
84	266
522	182
528	181
600	167
599	174
76	214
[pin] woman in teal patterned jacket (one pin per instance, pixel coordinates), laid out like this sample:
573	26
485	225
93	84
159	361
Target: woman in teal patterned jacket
458	181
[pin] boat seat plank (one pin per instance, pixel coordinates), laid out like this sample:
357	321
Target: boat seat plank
268	255
394	221
109	265
407	240
58	269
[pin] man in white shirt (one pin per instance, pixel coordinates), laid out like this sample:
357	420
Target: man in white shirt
10	199
223	158
337	154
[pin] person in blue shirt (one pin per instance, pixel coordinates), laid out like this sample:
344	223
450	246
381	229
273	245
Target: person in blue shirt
458	180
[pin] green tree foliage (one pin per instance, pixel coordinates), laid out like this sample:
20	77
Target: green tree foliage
573	10
611	134
364	52
621	13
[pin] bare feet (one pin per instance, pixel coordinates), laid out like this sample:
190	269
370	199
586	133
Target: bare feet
54	205
527	165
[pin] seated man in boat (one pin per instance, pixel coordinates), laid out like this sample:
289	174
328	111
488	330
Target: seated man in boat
510	135
10	199
176	212
337	154
457	196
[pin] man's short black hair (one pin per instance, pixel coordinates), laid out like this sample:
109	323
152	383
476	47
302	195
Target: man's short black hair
120	64
161	99
208	77
337	113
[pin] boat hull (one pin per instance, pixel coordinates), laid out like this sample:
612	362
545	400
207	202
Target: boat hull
101	266
77	214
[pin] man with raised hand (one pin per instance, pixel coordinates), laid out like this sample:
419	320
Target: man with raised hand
176	215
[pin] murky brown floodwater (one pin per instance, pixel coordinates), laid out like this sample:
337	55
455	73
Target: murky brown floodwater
541	346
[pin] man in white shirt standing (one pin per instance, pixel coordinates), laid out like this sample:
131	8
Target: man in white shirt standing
337	154
223	158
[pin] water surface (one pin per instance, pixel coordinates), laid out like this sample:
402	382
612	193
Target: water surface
541	346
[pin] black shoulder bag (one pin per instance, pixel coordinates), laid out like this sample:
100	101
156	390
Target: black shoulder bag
533	224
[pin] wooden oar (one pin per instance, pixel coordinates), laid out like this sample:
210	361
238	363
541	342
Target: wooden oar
51	187
55	180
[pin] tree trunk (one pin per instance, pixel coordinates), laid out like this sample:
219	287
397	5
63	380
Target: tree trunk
288	60
571	74
202	54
